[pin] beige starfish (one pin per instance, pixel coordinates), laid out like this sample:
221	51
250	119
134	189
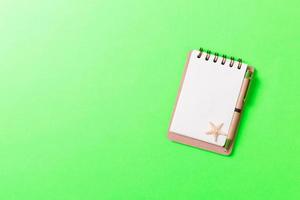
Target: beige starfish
215	130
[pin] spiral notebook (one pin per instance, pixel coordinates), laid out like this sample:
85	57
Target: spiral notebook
210	100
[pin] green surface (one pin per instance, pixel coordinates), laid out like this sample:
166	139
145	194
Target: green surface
88	87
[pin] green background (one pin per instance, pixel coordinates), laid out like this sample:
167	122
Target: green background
88	87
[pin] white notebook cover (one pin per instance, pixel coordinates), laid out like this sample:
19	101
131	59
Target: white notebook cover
209	94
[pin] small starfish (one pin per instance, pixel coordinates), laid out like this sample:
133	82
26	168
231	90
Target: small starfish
215	131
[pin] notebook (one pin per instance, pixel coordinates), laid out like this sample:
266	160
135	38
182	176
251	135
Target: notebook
210	100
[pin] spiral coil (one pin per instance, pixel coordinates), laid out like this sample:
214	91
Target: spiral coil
216	57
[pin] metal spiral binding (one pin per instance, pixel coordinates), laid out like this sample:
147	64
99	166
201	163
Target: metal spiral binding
224	59
216	57
200	52
231	61
207	55
240	63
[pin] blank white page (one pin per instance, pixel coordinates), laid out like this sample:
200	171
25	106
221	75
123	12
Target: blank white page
209	94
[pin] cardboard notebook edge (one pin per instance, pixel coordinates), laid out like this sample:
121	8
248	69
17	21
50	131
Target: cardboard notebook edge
192	141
